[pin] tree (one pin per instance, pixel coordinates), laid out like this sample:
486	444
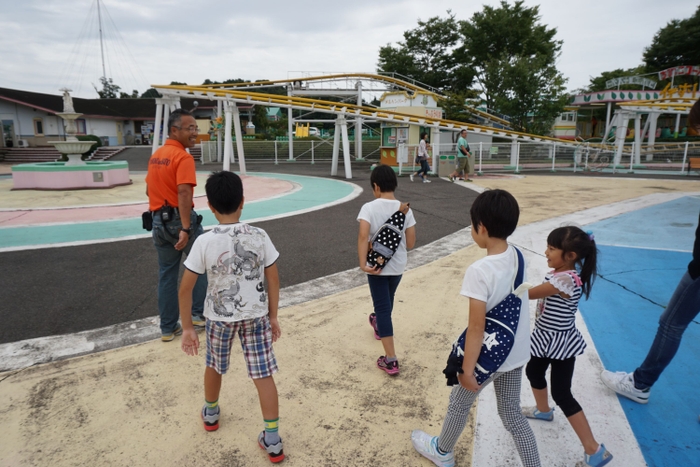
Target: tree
514	57
109	89
453	105
150	94
134	95
426	55
677	43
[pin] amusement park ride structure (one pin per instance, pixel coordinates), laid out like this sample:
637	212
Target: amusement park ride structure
352	85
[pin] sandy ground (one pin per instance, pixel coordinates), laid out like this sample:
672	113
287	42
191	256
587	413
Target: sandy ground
140	405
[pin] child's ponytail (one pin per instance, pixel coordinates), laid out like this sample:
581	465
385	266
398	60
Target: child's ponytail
573	239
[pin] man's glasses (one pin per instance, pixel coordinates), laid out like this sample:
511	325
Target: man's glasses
191	129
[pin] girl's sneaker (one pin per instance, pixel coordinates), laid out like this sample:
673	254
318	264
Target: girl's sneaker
391	368
373	323
599	459
426	445
211	418
274	451
532	412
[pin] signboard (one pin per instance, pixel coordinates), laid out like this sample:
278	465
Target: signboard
679	71
402	156
402	135
644	82
433	113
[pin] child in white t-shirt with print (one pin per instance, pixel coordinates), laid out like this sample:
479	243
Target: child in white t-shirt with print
238	260
494	216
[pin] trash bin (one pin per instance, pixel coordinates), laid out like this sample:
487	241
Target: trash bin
446	165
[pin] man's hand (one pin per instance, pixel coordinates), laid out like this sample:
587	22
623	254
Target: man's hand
468	382
276	330
182	241
190	342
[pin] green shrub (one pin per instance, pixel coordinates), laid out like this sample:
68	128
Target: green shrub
94	146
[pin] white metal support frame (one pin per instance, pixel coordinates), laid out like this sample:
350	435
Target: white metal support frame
163	107
239	138
219	113
290	124
435	139
341	131
228	143
358	125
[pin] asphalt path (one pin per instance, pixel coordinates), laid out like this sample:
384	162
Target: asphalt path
55	291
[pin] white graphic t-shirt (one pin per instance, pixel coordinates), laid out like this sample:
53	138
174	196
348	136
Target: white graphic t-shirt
234	257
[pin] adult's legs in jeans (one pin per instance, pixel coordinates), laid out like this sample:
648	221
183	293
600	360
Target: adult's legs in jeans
383	289
507	386
168	270
681	310
199	292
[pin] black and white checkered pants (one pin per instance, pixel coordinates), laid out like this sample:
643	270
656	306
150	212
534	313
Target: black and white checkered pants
507	387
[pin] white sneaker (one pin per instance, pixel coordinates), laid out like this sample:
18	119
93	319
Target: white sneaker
623	384
425	180
426	445
411	177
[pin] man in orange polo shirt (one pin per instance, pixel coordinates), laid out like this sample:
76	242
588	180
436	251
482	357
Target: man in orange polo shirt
170	188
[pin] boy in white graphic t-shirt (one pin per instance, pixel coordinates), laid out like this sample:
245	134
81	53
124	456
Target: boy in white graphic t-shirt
238	259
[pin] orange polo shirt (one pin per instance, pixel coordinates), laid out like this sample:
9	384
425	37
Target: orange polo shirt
169	167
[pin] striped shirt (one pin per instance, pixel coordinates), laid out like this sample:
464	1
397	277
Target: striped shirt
555	335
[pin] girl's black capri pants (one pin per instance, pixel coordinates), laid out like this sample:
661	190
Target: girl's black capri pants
560	377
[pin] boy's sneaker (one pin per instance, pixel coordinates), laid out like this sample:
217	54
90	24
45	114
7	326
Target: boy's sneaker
623	384
211	418
167	337
599	459
198	321
452	179
411	177
391	368
425	180
373	323
274	451
532	412
426	445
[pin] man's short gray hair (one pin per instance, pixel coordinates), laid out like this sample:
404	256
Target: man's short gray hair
176	117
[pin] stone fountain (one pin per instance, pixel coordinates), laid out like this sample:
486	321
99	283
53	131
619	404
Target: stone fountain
75	174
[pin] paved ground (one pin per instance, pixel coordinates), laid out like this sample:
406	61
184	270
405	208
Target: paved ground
336	408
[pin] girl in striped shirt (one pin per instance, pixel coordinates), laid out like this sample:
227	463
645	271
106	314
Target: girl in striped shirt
555	341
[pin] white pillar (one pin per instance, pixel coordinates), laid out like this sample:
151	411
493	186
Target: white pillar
623	119
514	153
358	125
239	138
435	139
219	113
678	124
637	138
607	123
290	125
653	118
156	125
336	147
228	143
166	130
346	147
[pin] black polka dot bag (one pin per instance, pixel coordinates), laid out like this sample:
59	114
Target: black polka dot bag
387	239
499	333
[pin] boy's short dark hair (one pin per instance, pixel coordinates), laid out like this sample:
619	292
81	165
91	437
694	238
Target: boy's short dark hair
224	191
385	178
498	211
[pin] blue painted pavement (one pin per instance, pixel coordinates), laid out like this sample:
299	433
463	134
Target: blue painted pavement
636	279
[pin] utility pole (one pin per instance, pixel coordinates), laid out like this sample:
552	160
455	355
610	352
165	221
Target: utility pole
102	48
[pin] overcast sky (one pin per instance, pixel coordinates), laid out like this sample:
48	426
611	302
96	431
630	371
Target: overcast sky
45	45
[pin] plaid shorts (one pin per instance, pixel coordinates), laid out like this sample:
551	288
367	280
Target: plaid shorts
256	342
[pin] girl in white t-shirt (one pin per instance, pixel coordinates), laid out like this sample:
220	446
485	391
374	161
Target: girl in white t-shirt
384	282
555	340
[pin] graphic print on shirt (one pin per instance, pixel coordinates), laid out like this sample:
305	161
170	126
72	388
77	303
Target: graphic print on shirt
236	269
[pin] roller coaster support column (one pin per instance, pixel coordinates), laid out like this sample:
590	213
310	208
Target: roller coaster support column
607	124
653	118
157	124
228	143
341	129
638	137
219	112
435	138
678	124
239	139
358	125
623	119
290	124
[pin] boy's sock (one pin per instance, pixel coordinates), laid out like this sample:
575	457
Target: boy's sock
212	407
271	435
391	359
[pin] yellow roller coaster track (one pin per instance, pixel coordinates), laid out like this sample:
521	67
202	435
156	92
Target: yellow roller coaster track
673	104
368	76
341	109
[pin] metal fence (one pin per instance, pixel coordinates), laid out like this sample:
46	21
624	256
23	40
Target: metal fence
278	151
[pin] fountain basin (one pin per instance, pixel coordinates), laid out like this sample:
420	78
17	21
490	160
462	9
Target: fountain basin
63	176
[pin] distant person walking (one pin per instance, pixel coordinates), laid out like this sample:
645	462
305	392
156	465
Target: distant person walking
422	159
594	123
465	164
170	189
